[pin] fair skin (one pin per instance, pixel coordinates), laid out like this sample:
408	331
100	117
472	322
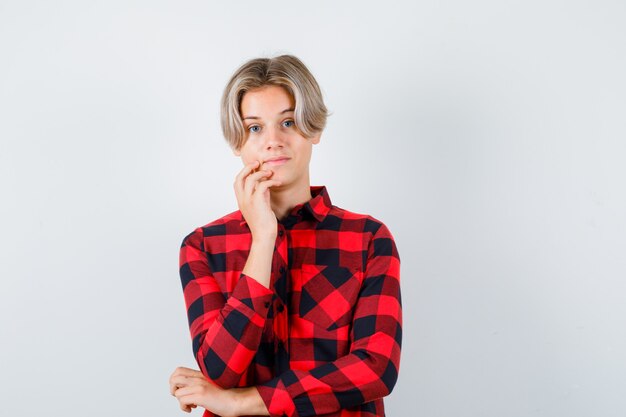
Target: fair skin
265	193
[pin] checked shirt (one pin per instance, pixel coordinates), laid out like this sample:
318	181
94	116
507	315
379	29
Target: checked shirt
325	338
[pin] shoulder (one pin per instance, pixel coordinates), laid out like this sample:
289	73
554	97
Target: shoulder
376	237
225	225
357	222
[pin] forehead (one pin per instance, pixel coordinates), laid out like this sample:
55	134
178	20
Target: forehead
266	100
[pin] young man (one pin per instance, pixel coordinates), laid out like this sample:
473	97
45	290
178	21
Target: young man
293	303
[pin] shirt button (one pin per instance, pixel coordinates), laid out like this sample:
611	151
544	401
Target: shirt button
267	304
282	269
281	233
300	211
280	308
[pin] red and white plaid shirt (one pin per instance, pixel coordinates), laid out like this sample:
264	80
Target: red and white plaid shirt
325	338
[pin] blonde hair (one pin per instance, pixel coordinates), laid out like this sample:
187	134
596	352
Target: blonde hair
285	71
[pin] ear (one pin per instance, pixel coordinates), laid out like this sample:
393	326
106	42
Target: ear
316	139
236	152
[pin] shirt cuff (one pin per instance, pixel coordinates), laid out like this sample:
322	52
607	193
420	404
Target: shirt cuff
255	296
277	399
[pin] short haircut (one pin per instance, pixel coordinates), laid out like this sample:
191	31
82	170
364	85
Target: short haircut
285	71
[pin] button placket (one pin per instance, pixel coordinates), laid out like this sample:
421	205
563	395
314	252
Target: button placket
281	274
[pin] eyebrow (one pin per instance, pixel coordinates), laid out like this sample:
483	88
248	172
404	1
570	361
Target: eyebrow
256	117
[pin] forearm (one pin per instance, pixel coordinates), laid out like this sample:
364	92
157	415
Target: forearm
249	402
359	377
225	350
259	263
226	329
192	389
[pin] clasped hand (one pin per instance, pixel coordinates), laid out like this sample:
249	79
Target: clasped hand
192	389
253	198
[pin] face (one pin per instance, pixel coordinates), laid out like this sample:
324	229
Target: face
273	138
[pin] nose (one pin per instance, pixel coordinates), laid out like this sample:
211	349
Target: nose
274	138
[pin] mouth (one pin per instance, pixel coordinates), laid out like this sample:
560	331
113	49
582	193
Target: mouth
276	161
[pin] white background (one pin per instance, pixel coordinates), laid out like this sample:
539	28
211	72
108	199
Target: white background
487	135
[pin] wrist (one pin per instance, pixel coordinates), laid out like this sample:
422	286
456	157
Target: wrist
264	241
250	403
236	400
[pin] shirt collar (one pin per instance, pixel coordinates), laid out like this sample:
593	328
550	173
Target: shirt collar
318	206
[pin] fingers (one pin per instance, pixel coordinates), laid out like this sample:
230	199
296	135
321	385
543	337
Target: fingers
183	377
264	185
181	370
239	179
178	382
184	384
255	206
178	392
189	397
247	181
186	398
251	180
247	178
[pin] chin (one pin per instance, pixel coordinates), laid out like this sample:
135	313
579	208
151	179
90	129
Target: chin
283	185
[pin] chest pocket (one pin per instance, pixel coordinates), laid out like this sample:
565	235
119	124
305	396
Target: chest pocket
328	295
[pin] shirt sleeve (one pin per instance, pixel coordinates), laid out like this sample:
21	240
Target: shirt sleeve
370	370
225	332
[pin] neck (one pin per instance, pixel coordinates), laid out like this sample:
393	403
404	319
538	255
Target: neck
283	200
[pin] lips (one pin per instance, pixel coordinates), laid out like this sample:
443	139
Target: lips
277	160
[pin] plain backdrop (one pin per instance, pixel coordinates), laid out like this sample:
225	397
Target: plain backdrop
488	135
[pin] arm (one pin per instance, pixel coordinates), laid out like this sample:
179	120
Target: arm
225	333
370	370
192	389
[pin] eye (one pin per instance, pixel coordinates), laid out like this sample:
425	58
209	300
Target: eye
288	123
254	128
